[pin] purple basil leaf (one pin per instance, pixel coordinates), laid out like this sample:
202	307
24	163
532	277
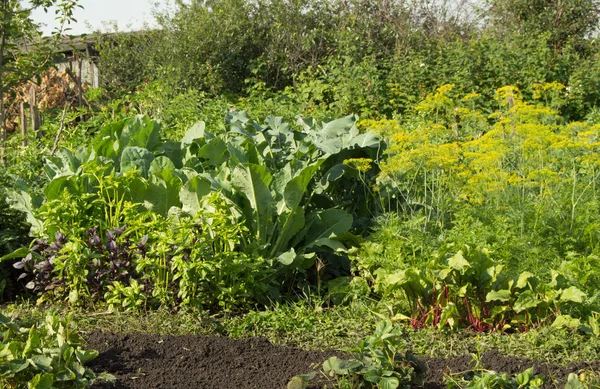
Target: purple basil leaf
94	240
45	265
112	245
120	230
143	242
59	237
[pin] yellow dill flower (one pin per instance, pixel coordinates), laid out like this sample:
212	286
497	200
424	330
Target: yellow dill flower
439	99
360	164
507	95
470	96
539	89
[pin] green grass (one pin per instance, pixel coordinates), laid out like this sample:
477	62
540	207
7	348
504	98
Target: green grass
307	324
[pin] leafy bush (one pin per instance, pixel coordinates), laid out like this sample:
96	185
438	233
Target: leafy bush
468	288
378	361
525	170
13	234
584	380
491	379
185	262
45	356
188	198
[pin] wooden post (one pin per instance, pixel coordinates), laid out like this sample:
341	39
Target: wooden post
79	84
23	125
4	130
36	122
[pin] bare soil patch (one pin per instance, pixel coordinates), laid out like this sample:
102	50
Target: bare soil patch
196	362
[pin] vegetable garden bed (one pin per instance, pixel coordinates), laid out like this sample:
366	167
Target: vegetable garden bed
158	361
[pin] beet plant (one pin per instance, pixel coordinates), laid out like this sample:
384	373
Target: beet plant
467	288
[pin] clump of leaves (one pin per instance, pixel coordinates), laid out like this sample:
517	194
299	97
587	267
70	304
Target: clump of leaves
39	264
584	380
13	234
379	361
113	260
50	355
467	288
49	268
488	379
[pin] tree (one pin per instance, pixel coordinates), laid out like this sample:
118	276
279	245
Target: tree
23	51
562	20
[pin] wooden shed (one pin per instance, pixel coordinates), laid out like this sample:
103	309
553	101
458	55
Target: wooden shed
77	55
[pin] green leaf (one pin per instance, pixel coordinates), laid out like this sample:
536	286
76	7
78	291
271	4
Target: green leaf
449	313
13	367
136	158
161	163
163	192
523	279
42	362
523	377
63	163
85	356
338	127
33	341
572	294
195	132
526	300
389	383
296	188
56	187
458	262
174	151
288	257
372	375
333	244
334	365
106	143
140	131
22	201
498	295
252	181
192	193
292	226
398	277
327	223
333	174
296	383
214	152
566	321
573	382
19	253
41	381
366	140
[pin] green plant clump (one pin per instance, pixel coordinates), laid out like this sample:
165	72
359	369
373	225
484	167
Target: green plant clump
379	361
50	355
492	380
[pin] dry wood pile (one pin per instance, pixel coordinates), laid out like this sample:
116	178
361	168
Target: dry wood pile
54	90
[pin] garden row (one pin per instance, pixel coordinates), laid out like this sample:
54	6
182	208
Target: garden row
451	218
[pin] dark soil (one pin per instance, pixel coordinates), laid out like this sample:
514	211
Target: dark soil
196	362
